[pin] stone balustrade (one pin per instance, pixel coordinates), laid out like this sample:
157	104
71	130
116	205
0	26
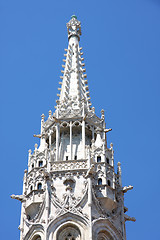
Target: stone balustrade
69	165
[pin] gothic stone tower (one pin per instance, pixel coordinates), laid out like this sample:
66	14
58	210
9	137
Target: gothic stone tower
71	190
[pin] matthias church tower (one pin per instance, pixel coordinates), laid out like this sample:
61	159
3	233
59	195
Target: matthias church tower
71	190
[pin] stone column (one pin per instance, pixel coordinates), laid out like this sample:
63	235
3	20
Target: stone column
47	205
90	200
57	141
50	138
25	181
70	140
112	159
47	201
93	133
21	227
103	123
83	132
104	152
29	159
42	141
83	138
119	172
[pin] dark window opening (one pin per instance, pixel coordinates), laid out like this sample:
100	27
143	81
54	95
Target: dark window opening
99	159
64	124
28	217
47	141
40	163
31	188
109	182
32	165
38	238
77	124
99	181
75	157
66	157
107	159
39	186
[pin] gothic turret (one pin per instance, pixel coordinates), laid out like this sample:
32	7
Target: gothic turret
71	190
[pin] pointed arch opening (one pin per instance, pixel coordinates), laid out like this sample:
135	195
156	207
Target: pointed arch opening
39	186
104	235
98	159
37	237
109	182
99	181
69	232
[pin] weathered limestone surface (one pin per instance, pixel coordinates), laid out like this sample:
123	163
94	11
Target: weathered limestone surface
71	190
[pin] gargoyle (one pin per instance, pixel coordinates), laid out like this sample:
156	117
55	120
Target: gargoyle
107	130
128	218
21	198
37	135
125	189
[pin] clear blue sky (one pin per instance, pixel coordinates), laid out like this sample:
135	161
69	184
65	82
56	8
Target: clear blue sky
121	44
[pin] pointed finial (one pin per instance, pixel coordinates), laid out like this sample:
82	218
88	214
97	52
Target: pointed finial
74	27
29	151
36	145
74	16
102	114
118	164
111	145
50	113
29	155
93	109
42	116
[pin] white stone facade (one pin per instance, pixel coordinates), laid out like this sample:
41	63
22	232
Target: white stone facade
71	190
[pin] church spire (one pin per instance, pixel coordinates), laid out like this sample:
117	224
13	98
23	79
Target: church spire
71	190
74	88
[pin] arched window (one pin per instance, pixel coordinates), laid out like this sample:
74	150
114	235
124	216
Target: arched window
98	158
32	165
40	164
31	188
109	182
39	186
99	181
69	233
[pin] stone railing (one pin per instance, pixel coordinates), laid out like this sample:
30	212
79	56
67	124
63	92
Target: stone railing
69	165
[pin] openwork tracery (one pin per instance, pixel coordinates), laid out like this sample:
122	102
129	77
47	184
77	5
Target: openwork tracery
69	233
